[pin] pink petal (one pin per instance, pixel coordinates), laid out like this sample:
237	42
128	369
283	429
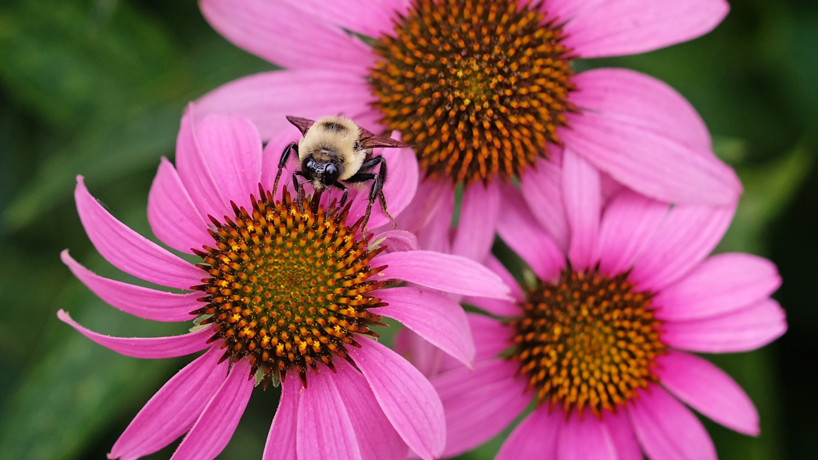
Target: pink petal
444	272
709	390
629	223
231	149
590	439
406	397
173	217
490	336
666	429
722	283
173	409
535	437
377	439
266	98
270	158
426	358
431	196
129	251
400	187
285	35
542	190
644	155
619	429
136	300
195	172
433	316
642	101
480	403
396	241
281	440
621	27
146	347
519	230
583	200
324	428
436	234
741	330
362	16
216	425
686	236
478	218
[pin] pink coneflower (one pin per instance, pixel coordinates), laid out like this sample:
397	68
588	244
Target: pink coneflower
601	339
485	91
284	294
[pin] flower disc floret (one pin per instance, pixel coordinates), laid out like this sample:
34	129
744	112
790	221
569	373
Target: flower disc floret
479	88
288	287
587	341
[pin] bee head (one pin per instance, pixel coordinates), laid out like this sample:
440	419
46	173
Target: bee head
324	172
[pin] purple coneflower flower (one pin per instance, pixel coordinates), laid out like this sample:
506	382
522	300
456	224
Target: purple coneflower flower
484	91
284	294
601	339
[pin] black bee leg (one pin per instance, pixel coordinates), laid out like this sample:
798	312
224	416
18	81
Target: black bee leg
299	201
376	192
282	162
344	197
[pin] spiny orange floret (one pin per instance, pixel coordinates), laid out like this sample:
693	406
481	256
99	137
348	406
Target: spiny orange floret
587	341
288	287
479	88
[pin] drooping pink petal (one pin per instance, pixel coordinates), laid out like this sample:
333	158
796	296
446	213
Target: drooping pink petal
406	397
667	429
431	196
433	316
621	27
286	35
281	440
740	330
377	439
642	101
324	428
490	336
361	16
535	437
621	433
426	358
479	403
629	223
519	230
444	272
173	409
136	300
436	235
173	217
686	236
396	241
589	439
478	218
267	98
722	283
648	160
130	251
146	347
231	148
215	427
400	187
542	190
709	390
582	198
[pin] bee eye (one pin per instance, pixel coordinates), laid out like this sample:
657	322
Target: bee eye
331	173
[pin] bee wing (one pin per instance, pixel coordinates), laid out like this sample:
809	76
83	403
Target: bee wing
303	124
369	140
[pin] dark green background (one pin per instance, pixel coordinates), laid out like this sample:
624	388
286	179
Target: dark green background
98	87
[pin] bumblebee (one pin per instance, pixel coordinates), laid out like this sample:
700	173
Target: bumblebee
335	151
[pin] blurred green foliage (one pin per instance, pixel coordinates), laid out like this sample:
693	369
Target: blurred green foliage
97	87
